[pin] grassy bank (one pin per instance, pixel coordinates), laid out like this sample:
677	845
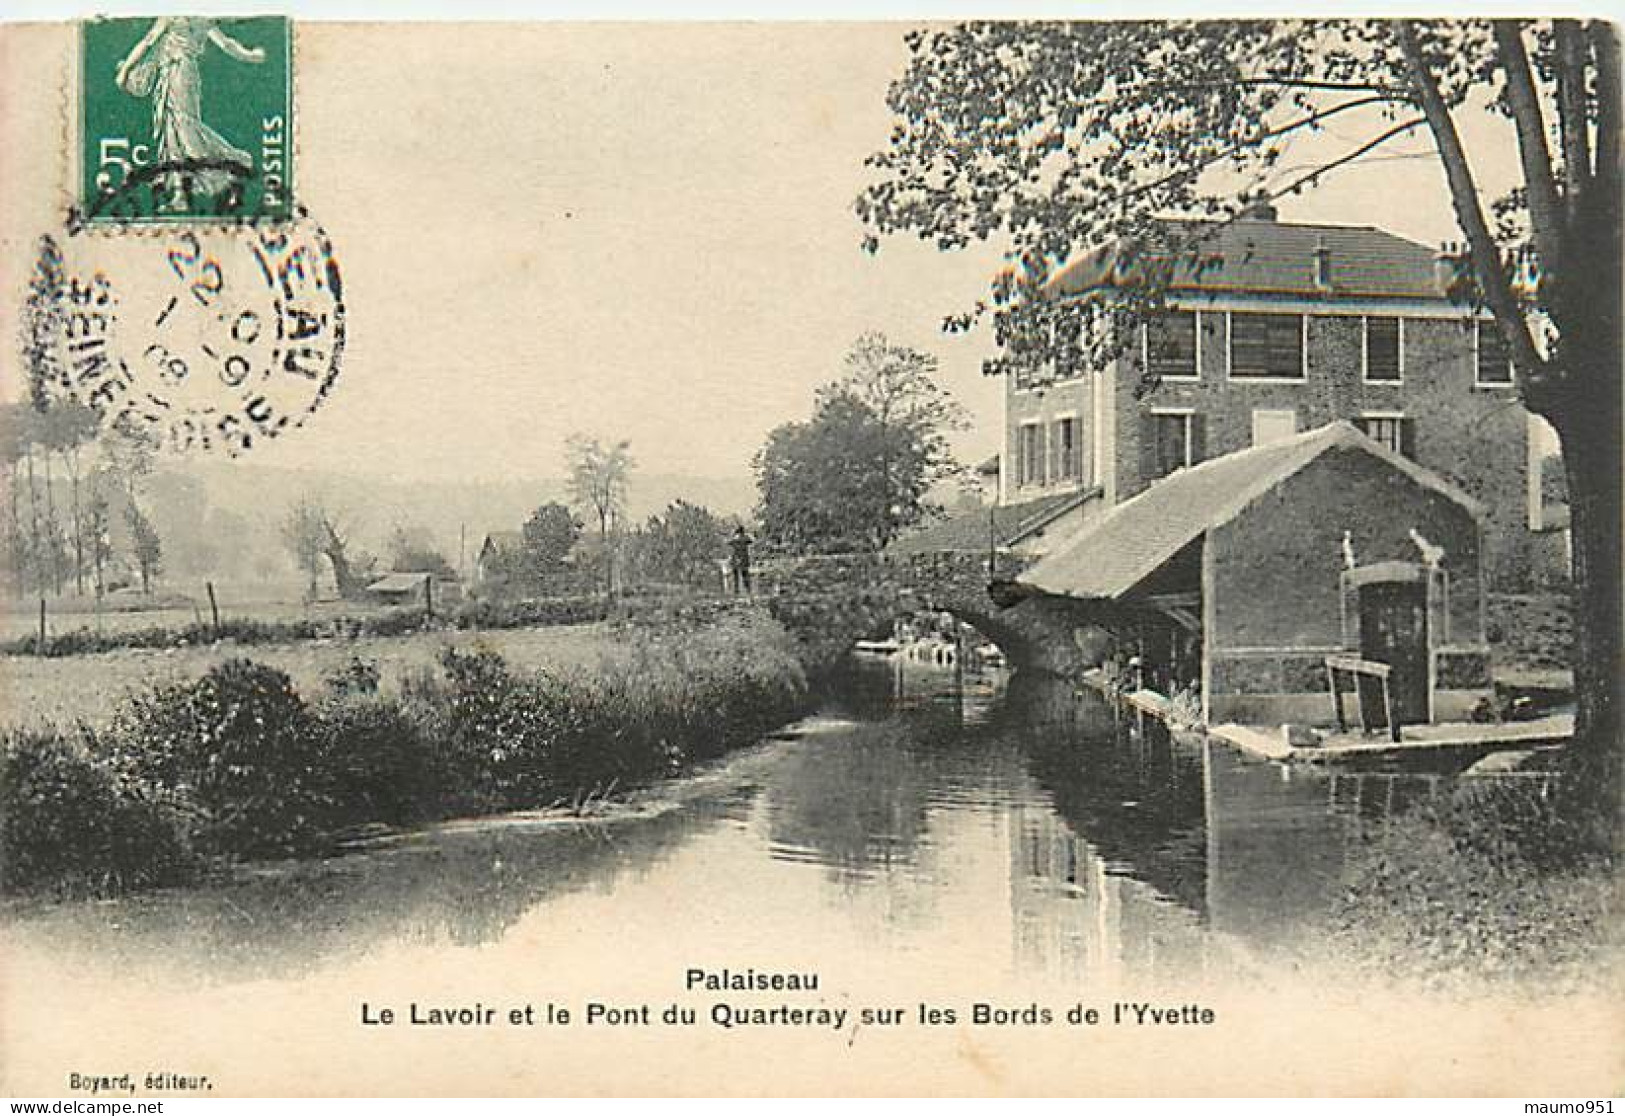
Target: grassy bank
1494	885
240	764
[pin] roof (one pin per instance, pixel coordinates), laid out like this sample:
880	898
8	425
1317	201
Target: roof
1134	539
399	583
1265	256
1011	523
503	540
990	467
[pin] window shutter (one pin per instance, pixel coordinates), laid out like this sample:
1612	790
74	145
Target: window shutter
1148	447
1407	437
1198	439
1041	455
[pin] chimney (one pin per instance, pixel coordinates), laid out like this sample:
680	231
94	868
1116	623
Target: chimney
1447	266
1323	266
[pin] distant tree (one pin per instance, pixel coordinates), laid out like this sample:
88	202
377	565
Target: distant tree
820	482
858	472
99	535
69	427
682	545
147	548
302	534
598	475
311	532
549	534
411	550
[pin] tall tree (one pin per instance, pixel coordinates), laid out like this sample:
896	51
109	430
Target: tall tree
840	482
597	479
913	412
301	530
858	472
68	426
312	531
549	534
1060	138
146	547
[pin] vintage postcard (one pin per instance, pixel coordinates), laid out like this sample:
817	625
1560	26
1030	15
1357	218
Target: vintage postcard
995	558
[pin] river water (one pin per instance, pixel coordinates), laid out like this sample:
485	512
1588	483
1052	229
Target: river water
926	841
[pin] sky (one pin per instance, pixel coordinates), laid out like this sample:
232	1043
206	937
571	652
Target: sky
639	231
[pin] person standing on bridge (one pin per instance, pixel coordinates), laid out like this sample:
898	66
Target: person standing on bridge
739	559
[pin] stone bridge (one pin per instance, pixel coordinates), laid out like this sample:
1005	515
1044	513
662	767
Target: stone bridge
831	601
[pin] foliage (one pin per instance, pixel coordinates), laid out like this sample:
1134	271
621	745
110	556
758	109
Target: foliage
1131	143
1493	883
680	547
236	764
240	748
411	550
147	547
312	531
857	473
549	534
378	765
70	828
357	678
597	476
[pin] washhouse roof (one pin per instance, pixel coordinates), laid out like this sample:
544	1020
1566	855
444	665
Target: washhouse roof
1110	556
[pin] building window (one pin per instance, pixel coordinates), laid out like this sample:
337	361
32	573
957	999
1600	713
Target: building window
1395	431
1267	346
1172	440
1030	454
1068	450
1384	350
1272	426
1169	345
1492	360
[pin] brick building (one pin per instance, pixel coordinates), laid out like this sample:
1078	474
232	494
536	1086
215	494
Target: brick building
1238	577
1282	328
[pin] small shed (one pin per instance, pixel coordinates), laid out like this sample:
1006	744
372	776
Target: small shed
402	588
1239	578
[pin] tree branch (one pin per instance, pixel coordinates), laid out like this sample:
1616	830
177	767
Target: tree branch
1545	210
1573	52
1492	277
1384	92
1343	160
1197	168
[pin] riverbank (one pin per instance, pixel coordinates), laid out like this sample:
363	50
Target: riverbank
242	763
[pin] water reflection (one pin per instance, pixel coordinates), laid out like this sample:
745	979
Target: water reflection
929	817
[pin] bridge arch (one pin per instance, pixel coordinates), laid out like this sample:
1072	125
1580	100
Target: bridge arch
832	601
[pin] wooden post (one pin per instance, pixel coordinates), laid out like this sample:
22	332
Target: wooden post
428	595
1388	705
1337	697
41	647
214	609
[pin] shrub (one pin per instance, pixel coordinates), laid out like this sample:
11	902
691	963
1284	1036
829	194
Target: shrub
67	826
357	677
378	765
240	748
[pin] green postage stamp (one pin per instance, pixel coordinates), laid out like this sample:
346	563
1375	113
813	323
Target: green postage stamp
185	119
